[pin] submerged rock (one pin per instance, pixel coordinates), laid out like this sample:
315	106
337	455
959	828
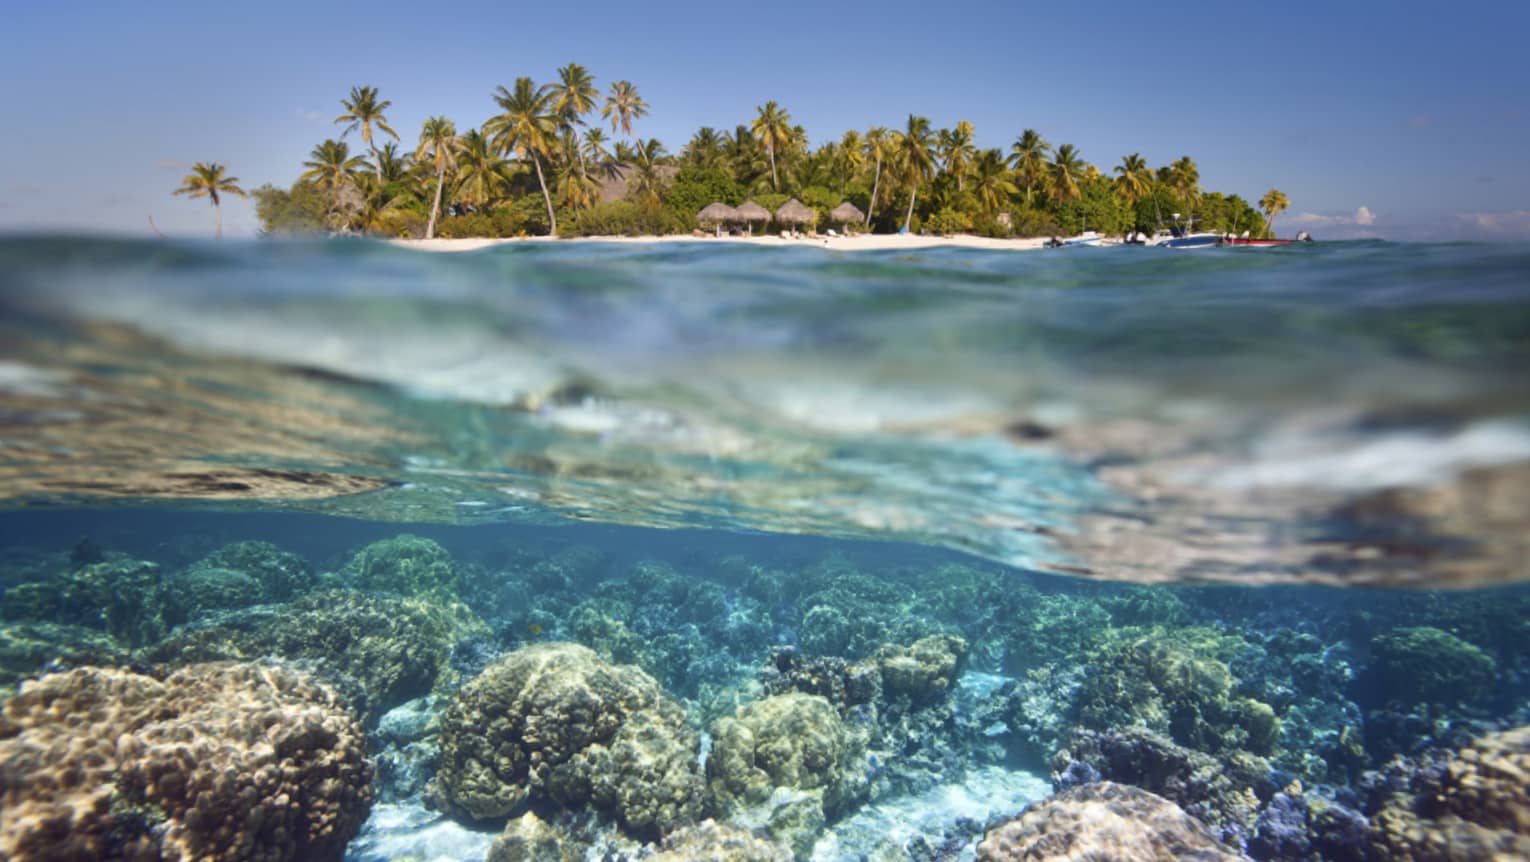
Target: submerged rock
217	762
27	649
924	671
712	840
1103	821
1425	665
553	722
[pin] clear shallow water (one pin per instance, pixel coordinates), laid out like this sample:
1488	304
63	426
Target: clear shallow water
754	471
1314	414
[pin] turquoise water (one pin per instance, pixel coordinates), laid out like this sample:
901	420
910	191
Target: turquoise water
1210	497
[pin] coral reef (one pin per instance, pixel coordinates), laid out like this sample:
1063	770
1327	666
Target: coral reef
217	762
119	596
405	565
1178	684
1103	821
27	649
282	576
554	722
924	671
378	651
198	592
1224	792
529	838
712	840
1476	807
1425	665
796	741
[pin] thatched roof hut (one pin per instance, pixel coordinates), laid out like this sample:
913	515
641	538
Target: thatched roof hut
752	212
847	213
717	213
795	212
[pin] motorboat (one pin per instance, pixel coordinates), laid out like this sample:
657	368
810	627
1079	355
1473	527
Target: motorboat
1246	242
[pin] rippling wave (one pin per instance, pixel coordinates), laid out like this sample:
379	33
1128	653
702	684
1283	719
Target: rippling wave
1341	413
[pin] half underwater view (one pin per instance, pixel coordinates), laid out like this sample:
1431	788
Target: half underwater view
324	550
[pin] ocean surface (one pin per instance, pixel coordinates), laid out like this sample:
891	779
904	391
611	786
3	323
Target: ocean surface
1268	509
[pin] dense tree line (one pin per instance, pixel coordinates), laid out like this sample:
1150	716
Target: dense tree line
546	163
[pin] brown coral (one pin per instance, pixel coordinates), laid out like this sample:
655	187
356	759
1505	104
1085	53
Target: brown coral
217	762
554	722
1103	820
1478	807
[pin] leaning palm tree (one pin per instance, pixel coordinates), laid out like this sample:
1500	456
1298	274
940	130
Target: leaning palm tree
206	180
332	168
529	129
623	106
991	182
363	111
1273	203
772	128
438	143
916	157
483	173
957	152
878	147
1063	174
1028	156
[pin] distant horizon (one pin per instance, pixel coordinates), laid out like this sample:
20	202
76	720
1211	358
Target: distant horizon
1405	126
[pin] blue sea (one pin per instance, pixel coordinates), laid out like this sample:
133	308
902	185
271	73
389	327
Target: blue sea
696	550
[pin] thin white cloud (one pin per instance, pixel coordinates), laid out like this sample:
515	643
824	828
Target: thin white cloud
1359	224
1510	226
305	114
1364	217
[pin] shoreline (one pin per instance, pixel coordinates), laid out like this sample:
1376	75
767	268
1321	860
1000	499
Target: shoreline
863	242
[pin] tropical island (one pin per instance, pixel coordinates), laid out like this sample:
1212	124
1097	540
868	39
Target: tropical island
545	164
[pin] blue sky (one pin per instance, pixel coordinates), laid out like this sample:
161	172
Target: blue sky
1417	113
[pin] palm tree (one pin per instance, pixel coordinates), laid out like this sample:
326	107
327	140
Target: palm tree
483	174
206	180
332	168
849	157
1063	174
392	165
704	149
916	157
772	128
1028	156
593	146
991	182
1185	179
957	151
1273	203
1134	181
573	95
363	111
527	128
623	106
877	149
438	143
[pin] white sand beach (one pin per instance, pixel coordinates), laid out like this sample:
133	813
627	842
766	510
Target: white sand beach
864	242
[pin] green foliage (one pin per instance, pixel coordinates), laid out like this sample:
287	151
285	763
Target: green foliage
1033	222
497	222
696	187
771	200
624	218
948	222
285	212
1098	208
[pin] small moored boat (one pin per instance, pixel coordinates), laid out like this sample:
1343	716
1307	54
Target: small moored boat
1245	242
